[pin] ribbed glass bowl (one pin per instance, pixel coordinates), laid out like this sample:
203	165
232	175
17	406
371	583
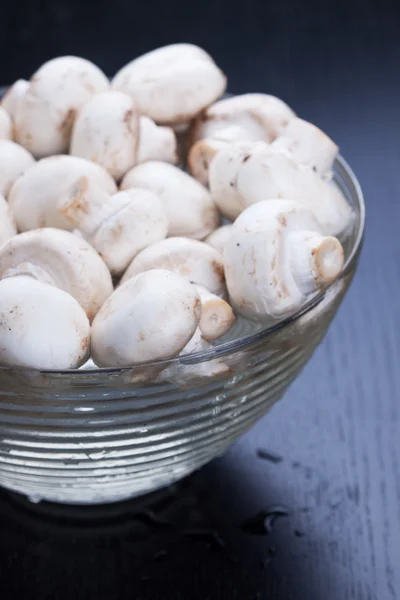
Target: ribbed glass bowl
102	435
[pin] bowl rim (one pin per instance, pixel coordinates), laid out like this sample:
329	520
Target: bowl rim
249	339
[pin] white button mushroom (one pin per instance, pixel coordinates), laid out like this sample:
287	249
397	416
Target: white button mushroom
248	117
308	145
47	111
217	317
14	161
62	259
8	227
218	238
195	261
171	85
156	142
117	226
182	373
190	209
275	256
11	99
252	117
106	131
41	327
33	197
150	317
6	125
244	173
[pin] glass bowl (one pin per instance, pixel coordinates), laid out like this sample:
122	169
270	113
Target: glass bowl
104	435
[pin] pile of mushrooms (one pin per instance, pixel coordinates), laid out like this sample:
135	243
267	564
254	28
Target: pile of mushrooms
139	217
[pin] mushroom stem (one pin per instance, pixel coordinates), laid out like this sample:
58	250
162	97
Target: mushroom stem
217	317
315	259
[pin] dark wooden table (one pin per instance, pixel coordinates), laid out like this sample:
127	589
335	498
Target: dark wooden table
335	480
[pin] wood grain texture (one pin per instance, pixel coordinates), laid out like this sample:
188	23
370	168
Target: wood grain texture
337	429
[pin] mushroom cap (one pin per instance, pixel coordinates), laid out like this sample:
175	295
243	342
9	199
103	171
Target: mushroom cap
46	113
150	317
195	261
13	95
8	227
6	125
217	317
245	173
254	117
41	327
190	209
156	142
167	55
218	238
171	85
275	256
106	131
33	197
140	219
14	161
308	145
61	259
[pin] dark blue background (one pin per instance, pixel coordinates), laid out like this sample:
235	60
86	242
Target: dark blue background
337	429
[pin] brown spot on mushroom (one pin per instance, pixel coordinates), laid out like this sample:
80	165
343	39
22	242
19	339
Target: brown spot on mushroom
87	84
128	121
253	258
197	305
219	268
67	122
116	230
183	271
285	291
246	158
141	336
211	217
243	303
77	201
282	220
84	343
